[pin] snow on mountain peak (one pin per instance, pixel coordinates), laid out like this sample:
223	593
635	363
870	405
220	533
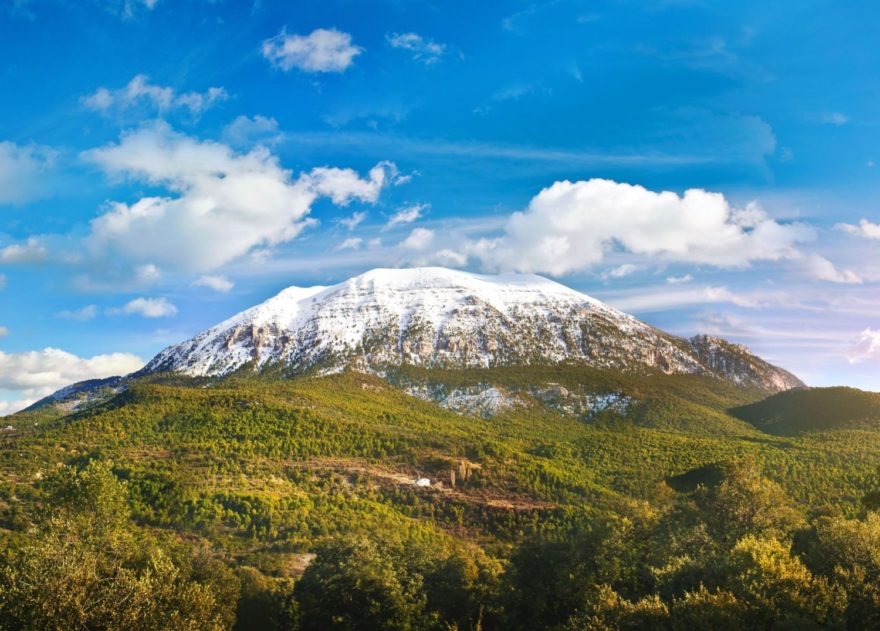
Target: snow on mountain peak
431	317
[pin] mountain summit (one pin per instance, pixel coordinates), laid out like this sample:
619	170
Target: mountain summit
440	318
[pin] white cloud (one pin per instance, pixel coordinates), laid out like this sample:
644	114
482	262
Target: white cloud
147	308
23	171
570	226
245	132
418	239
353	243
820	268
221	204
343	186
354	221
32	251
4	331
217	283
679	280
32	375
448	258
621	271
664	299
147	274
89	312
866	347
422	49
323	50
864	229
140	93
407	214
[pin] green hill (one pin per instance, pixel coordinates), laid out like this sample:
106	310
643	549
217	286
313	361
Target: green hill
813	410
238	483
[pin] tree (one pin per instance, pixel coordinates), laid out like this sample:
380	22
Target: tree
746	503
83	569
356	585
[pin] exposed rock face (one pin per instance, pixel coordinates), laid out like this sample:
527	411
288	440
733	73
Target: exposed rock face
440	318
735	363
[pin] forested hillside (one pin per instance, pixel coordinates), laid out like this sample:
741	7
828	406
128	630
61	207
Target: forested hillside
256	503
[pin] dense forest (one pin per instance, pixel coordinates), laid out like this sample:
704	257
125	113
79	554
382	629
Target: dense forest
261	503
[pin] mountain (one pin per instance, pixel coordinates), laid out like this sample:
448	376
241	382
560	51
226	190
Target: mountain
813	409
441	318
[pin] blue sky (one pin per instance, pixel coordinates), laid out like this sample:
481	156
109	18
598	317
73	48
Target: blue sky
166	163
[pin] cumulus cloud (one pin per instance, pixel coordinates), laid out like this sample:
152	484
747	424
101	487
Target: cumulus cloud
343	186
31	375
866	347
221	204
570	226
147	308
864	229
322	50
245	132
32	251
140	93
422	48
23	170
217	283
83	314
407	214
820	268
418	239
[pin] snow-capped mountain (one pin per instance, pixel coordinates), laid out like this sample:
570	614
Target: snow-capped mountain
436	317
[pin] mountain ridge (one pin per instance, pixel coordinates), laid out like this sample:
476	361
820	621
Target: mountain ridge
441	318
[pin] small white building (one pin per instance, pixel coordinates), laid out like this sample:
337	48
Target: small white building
422	482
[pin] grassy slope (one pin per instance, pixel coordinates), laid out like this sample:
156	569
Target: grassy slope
267	469
813	409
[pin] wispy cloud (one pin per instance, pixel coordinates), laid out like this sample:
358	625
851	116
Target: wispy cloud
352	222
662	299
83	314
407	214
140	93
23	172
352	243
475	149
422	49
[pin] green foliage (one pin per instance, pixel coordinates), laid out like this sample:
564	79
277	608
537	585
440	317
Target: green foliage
81	570
813	409
274	504
394	584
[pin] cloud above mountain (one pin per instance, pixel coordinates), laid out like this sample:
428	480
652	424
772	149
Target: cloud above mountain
218	204
571	226
31	375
